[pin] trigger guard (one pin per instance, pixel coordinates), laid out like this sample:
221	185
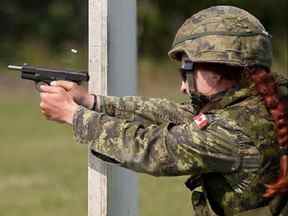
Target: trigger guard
38	84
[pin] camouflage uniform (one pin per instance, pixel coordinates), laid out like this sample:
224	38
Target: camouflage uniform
234	153
227	146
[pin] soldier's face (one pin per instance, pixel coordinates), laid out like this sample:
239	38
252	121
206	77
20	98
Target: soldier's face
184	87
206	82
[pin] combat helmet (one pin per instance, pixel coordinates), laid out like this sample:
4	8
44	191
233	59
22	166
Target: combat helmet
223	34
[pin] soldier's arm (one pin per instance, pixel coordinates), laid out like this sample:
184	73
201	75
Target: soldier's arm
142	109
145	110
165	149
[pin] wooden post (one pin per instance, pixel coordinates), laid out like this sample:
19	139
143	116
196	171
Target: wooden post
112	191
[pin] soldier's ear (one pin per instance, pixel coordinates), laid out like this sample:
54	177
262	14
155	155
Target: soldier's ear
215	77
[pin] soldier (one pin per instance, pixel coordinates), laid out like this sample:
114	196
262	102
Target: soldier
232	135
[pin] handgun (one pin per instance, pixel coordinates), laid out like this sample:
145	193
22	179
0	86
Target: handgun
46	75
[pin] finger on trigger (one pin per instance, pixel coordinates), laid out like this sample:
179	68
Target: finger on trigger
64	84
42	88
51	89
47	89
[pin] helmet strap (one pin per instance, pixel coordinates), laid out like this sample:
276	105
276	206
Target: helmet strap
197	99
190	82
187	72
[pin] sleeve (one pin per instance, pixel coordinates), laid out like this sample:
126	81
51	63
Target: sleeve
160	150
144	110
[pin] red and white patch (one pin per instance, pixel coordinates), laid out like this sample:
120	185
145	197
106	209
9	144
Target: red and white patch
201	120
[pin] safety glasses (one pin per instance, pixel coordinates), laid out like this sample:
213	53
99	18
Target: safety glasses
186	67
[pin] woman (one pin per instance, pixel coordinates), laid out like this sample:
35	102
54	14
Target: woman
232	136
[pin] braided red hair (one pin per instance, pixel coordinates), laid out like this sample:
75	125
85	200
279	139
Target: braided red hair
266	86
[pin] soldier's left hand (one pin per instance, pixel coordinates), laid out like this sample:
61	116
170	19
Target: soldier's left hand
57	104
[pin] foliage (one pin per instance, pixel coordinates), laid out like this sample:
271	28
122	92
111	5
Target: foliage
61	23
160	19
53	22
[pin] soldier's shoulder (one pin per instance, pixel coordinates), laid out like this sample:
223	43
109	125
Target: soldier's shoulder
251	117
242	106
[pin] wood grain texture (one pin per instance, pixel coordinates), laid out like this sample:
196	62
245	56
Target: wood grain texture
112	191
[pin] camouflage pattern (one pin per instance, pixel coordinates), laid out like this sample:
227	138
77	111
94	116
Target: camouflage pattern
233	156
223	34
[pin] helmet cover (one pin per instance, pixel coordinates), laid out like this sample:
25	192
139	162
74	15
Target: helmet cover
223	34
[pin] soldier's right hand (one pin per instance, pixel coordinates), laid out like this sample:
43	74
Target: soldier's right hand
80	94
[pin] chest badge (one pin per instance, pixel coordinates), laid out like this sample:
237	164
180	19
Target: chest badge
201	120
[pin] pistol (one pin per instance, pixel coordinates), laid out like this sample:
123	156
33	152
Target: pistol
46	75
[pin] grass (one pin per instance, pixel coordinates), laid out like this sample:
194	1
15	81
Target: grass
44	172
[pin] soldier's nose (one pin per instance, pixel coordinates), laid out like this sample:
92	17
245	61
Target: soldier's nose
183	87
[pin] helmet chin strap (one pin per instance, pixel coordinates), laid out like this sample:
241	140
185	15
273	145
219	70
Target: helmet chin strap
197	98
190	82
187	69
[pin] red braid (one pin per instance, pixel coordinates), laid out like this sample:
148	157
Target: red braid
266	86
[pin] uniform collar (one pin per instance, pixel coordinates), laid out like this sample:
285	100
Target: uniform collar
227	98
233	96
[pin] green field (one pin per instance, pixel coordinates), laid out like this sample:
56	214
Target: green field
44	172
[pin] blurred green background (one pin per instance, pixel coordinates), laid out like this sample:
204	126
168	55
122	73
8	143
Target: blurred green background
42	170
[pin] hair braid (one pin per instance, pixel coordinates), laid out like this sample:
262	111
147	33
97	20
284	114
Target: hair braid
266	86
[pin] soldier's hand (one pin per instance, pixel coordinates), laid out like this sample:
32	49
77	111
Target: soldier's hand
78	93
57	104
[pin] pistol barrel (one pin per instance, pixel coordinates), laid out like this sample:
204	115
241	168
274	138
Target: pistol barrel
15	67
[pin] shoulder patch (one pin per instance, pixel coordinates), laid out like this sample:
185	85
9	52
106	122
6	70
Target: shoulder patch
201	120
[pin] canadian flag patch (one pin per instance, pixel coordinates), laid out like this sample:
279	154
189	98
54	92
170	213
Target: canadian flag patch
201	120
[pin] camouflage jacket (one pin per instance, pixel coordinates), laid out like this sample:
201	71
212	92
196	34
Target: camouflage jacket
234	152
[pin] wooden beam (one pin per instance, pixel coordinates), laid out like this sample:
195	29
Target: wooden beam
112	191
